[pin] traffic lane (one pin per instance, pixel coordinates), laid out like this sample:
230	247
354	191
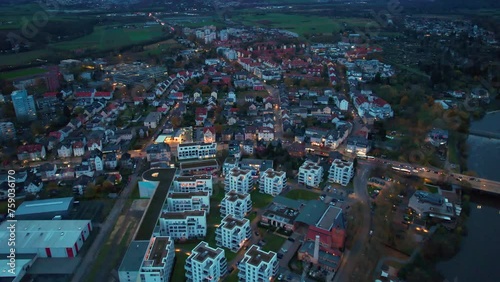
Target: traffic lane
288	249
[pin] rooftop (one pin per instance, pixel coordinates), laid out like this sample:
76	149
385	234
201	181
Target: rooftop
181	215
312	212
45	206
230	222
192	178
233	196
35	234
203	251
198	164
196	144
261	165
187	195
133	257
329	218
271	173
157	251
255	256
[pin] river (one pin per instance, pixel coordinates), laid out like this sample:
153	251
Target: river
479	253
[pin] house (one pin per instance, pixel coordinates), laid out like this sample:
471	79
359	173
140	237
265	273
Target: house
78	149
152	119
83	169
33	185
266	134
159	152
64	150
81	183
34	152
341	102
126	161
208	134
47	171
96	160
94	144
110	161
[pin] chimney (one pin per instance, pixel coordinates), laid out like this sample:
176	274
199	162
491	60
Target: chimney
316	250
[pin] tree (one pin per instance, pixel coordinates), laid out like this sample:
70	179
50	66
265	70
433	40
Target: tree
176	121
37	127
259	99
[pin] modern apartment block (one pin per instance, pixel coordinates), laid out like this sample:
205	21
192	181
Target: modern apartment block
258	265
232	233
310	174
205	264
272	182
24	105
183	225
195	183
236	204
188	201
7	131
196	151
341	172
239	180
158	261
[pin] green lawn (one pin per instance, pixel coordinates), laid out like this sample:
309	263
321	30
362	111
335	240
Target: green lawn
233	277
302	195
179	273
21	73
23	57
273	242
260	200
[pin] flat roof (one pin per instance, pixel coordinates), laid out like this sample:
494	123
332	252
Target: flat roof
229	222
198	164
271	173
181	215
35	234
158	250
289	203
262	164
43	206
134	256
203	251
150	217
329	218
186	195
192	178
312	212
256	256
233	196
197	144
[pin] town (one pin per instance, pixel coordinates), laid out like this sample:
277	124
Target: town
239	150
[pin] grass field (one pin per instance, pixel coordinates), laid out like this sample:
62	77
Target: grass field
110	37
260	200
20	73
302	195
300	24
273	242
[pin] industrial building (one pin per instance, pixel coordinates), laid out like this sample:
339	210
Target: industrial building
45	209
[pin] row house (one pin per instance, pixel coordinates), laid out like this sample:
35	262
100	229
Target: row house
182	201
194	183
34	152
196	151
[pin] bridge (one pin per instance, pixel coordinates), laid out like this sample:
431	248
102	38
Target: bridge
484	133
472	182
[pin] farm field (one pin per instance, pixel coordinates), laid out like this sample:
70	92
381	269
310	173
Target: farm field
20	73
300	24
109	37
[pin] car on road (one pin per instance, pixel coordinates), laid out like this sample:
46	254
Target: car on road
256	233
291	239
280	277
280	255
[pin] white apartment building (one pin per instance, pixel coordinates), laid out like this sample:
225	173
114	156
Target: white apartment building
229	164
239	180
195	183
310	174
258	265
181	201
232	233
196	151
158	261
236	204
341	172
183	225
205	264
272	182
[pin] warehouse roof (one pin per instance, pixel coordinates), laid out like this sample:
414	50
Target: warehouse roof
44	206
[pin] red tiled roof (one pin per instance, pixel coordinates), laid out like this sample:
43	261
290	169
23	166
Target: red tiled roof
78	144
83	94
50	94
102	94
379	102
30	148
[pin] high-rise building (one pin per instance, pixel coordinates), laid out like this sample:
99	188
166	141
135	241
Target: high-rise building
341	172
272	182
205	264
24	105
258	265
232	233
310	174
7	131
236	204
239	180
